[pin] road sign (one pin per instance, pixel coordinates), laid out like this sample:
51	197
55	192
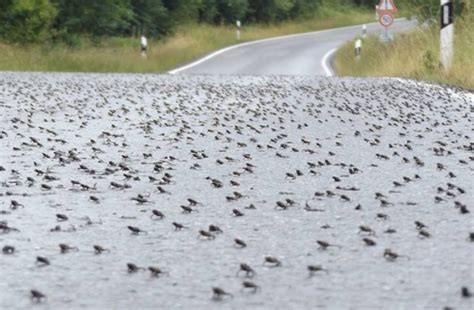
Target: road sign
387	6
386	19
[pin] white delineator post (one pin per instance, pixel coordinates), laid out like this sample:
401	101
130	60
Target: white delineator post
364	31
144	44
238	24
447	34
358	48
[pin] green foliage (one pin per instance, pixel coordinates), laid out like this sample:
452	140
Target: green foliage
304	8
429	10
269	10
104	17
150	18
223	11
183	10
429	61
209	12
232	10
69	21
26	20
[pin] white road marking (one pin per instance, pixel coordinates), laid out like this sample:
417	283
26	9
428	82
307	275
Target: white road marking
325	64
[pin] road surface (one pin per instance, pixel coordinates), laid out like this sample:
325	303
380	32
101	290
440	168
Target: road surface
303	54
278	162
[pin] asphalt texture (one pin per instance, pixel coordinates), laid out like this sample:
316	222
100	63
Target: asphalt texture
302	54
359	190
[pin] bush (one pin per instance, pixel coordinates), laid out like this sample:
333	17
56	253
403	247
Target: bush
26	21
151	17
104	17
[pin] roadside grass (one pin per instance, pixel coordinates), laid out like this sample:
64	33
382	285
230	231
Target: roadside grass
187	43
414	55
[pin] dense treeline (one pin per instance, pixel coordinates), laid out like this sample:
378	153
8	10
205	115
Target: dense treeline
39	20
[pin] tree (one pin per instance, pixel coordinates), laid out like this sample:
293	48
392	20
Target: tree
304	8
104	17
26	20
183	10
232	10
151	18
209	12
270	10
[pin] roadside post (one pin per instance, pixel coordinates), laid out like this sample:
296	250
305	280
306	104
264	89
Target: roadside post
144	46
376	12
386	9
238	24
364	31
358	48
446	34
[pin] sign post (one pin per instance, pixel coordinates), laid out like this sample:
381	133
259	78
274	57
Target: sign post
238	24
385	11
446	34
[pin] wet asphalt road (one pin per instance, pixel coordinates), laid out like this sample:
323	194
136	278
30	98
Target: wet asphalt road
303	54
302	158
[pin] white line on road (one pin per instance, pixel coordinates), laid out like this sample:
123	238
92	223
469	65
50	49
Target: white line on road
325	64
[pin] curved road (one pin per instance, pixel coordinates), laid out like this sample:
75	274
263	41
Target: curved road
300	54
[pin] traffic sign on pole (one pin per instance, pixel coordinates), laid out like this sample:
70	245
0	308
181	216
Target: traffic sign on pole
387	6
386	19
385	11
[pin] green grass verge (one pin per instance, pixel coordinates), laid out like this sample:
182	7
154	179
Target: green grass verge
189	42
414	55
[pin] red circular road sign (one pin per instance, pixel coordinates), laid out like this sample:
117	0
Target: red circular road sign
386	19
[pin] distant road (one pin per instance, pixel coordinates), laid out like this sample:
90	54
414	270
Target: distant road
300	54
